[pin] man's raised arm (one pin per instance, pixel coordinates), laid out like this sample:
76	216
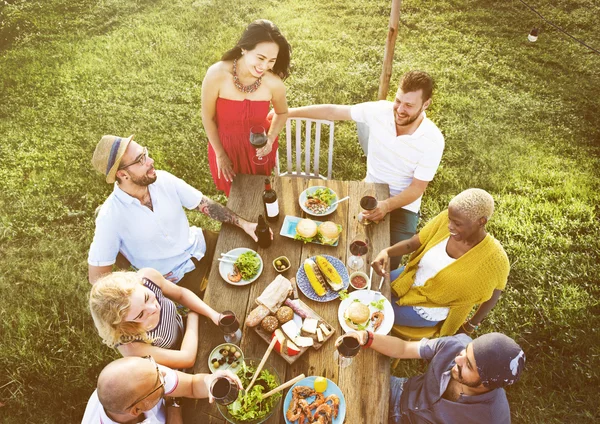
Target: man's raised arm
328	112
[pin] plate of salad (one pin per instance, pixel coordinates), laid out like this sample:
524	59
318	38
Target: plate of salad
381	312
316	200
240	266
251	408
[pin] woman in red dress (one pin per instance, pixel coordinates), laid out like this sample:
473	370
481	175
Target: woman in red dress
236	95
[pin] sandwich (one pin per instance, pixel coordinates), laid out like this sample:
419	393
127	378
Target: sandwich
357	315
306	230
329	232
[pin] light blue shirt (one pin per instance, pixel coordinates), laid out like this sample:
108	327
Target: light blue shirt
161	239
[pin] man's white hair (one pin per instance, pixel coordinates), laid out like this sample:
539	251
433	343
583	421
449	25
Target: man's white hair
474	203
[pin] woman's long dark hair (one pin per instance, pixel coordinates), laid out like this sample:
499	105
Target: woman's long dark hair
261	31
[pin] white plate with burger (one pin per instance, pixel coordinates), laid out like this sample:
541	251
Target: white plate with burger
364	310
309	231
316	201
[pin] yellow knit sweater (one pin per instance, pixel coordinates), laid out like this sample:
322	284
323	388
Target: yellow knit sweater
468	281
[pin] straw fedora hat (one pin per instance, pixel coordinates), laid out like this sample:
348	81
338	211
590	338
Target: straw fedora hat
108	154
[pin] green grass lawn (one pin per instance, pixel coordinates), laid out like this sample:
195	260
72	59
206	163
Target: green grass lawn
520	120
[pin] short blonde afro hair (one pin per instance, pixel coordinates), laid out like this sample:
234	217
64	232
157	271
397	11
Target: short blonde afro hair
474	203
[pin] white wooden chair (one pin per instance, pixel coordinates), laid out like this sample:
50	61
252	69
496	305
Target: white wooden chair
303	146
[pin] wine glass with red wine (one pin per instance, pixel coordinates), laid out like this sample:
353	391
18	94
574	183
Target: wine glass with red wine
359	247
367	203
347	349
230	326
258	139
224	390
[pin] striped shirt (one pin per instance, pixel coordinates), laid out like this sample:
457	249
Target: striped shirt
396	160
169	330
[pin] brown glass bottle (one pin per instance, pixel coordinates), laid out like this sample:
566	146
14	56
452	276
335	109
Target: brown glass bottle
270	201
263	233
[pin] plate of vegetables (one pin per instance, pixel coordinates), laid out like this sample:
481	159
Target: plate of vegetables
240	266
316	200
251	408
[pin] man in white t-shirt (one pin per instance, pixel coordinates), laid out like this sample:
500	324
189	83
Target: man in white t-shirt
143	223
133	390
404	148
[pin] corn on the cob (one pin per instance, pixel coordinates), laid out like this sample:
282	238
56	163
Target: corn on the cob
333	278
314	277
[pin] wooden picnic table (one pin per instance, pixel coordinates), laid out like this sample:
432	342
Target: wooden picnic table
365	383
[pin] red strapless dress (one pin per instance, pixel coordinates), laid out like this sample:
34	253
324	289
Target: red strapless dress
234	119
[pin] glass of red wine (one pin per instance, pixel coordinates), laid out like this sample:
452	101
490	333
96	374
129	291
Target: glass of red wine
258	139
224	390
367	203
359	247
346	350
230	326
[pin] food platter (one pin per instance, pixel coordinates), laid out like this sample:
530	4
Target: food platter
366	297
288	229
306	194
332	389
298	320
226	266
330	295
216	354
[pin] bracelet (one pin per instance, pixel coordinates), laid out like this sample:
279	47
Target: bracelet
370	337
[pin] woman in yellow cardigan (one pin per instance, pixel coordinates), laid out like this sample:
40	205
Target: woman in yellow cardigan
454	266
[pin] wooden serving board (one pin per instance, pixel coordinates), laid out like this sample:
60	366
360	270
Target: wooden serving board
317	345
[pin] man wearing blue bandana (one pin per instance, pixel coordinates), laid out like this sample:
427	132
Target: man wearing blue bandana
143	222
464	382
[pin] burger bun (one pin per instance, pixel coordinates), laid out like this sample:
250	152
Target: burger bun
357	314
306	228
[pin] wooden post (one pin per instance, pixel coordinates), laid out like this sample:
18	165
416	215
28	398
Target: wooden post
388	56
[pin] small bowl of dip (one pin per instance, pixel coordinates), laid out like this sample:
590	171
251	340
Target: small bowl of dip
359	280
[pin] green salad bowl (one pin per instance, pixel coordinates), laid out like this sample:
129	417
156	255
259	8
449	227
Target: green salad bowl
274	403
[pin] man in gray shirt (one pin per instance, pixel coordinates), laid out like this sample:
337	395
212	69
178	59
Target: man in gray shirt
463	383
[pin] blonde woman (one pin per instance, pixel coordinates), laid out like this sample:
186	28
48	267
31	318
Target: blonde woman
135	313
454	265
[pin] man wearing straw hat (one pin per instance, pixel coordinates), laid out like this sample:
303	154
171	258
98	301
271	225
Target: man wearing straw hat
143	223
134	388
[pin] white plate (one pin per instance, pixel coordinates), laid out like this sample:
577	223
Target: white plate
310	190
366	298
215	354
227	268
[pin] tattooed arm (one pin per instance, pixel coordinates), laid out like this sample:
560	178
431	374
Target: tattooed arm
219	212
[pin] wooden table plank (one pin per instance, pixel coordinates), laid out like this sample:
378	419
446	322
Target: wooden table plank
365	383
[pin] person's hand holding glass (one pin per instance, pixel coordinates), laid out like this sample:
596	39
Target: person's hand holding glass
258	139
229	324
223	387
347	347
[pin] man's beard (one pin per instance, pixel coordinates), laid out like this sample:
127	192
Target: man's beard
144	180
408	120
466	383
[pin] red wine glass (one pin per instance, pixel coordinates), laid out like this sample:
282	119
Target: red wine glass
258	139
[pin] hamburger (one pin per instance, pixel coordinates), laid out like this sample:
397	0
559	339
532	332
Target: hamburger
306	230
357	315
329	232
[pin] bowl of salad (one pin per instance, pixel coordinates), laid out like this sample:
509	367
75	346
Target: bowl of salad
251	408
317	200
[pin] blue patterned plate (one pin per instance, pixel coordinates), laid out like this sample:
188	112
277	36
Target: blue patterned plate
306	288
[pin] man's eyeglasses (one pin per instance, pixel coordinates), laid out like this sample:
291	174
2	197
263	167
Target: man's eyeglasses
141	159
159	378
